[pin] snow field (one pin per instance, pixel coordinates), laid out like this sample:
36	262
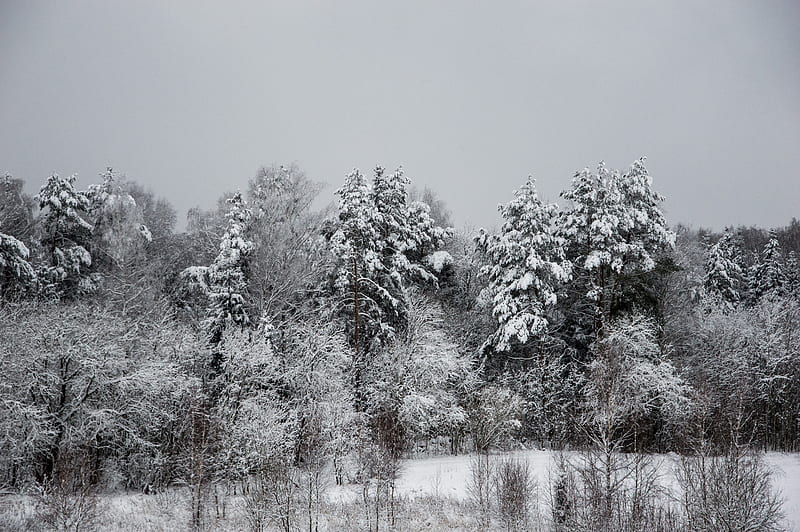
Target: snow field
448	476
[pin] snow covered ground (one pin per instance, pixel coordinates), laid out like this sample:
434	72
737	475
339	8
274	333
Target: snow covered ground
786	467
448	476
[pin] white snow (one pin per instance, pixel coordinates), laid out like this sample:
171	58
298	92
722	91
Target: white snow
145	232
448	476
438	260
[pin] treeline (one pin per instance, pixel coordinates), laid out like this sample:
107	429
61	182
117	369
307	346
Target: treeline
270	337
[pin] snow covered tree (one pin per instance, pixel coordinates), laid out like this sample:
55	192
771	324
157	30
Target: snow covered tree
66	237
16	210
767	277
285	412
792	275
724	276
289	256
526	266
422	244
16	226
119	232
614	229
158	215
16	273
463	291
438	209
407	234
224	282
82	385
380	244
494	415
315	361
355	243
550	383
418	385
257	425
629	380
745	363
223	286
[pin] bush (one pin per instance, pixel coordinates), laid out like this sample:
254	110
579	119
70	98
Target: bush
480	487
515	493
67	501
729	492
610	493
272	499
494	416
379	469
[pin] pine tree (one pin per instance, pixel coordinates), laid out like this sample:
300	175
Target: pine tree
66	236
767	277
381	245
355	243
227	275
614	228
16	273
724	276
526	265
225	280
792	275
408	232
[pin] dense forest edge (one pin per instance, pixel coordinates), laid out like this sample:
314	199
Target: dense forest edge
273	350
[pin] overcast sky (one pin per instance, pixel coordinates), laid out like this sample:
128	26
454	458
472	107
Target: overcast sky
189	98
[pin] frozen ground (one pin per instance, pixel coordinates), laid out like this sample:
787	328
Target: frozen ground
448	476
786	468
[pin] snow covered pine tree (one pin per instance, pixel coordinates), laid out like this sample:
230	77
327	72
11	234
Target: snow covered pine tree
724	276
526	264
614	229
225	281
381	245
66	237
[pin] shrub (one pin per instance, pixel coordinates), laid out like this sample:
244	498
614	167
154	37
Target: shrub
515	493
480	487
729	492
67	500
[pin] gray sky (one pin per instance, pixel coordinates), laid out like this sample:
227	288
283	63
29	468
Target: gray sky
191	97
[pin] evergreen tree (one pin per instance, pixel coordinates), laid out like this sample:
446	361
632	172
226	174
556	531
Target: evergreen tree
225	281
526	265
355	242
792	275
66	237
614	229
767	277
16	273
380	244
407	231
228	273
724	276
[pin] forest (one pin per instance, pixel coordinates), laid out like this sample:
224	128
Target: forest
278	365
